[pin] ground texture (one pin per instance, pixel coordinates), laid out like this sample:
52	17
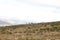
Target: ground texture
38	31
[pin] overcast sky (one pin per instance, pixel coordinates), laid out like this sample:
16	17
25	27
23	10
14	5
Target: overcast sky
30	10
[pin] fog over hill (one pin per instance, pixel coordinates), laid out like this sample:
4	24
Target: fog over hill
7	22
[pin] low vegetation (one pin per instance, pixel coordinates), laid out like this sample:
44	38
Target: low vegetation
33	31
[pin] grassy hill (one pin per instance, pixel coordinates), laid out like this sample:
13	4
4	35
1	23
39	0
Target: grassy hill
33	31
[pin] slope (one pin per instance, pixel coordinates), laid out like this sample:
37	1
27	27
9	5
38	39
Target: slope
33	31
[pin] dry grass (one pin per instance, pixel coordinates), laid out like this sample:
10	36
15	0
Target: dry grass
38	31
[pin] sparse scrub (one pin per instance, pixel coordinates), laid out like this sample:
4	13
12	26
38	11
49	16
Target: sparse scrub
32	31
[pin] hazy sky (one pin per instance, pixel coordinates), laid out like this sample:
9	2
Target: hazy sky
30	10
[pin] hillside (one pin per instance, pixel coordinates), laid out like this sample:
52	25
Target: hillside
33	31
